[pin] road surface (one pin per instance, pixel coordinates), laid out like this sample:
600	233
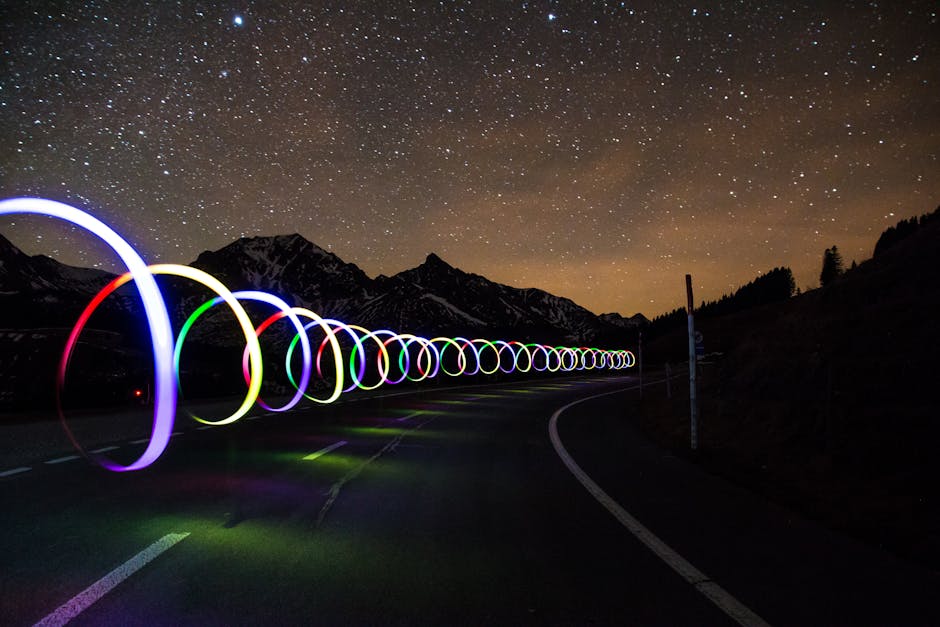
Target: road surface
496	504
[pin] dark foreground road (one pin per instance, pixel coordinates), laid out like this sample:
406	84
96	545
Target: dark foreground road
442	508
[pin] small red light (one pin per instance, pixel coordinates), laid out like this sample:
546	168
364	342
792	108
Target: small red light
138	393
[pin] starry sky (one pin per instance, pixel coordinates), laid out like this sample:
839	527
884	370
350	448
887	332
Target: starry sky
597	150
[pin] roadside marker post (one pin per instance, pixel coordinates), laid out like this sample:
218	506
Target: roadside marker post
668	381
693	366
640	361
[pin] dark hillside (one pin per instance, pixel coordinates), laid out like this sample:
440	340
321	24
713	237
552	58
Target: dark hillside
829	400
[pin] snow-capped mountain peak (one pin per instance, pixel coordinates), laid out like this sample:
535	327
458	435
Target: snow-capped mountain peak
431	298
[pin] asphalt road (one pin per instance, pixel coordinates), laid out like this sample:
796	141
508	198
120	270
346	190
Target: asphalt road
442	508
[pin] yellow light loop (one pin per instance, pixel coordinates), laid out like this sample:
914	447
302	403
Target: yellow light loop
248	328
337	354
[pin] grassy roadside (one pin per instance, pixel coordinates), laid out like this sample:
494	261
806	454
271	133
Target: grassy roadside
827	402
800	454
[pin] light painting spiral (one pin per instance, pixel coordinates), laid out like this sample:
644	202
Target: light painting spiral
346	353
158	321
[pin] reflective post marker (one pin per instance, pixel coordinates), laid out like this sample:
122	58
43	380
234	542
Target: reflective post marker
640	361
693	401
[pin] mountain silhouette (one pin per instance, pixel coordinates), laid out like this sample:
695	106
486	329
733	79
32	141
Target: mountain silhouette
434	298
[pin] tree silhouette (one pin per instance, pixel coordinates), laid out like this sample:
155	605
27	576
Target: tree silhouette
904	229
832	267
773	287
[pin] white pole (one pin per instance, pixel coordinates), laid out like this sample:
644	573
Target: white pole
641	363
693	401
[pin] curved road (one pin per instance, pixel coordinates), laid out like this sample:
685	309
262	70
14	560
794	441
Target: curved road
442	507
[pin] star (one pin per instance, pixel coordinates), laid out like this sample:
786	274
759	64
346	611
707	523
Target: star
481	136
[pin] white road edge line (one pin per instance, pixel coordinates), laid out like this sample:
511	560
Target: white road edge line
104	449
701	582
15	471
324	451
59	460
409	416
83	600
466	387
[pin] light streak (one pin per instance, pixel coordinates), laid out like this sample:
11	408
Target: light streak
397	356
158	321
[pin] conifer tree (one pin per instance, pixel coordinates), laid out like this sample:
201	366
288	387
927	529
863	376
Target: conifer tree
832	267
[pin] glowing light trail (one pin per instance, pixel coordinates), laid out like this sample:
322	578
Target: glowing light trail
397	357
158	321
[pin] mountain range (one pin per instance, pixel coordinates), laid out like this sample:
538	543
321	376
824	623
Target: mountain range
433	298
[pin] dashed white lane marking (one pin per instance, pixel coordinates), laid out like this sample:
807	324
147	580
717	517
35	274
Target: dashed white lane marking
59	460
409	416
83	600
325	450
711	590
176	433
105	449
15	471
254	417
140	441
203	427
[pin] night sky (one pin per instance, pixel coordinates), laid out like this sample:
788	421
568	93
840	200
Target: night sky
597	150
